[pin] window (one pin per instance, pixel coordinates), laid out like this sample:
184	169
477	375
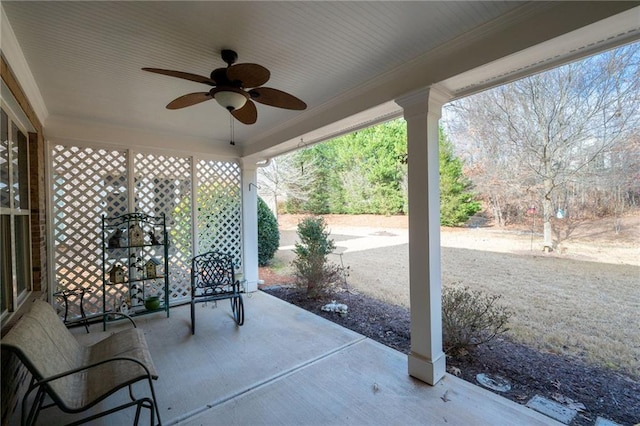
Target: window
15	234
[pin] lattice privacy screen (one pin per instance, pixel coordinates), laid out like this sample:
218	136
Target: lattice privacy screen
163	185
219	209
88	183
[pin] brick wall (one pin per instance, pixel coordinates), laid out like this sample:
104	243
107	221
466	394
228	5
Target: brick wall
37	186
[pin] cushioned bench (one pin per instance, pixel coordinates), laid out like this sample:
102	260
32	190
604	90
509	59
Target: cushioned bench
77	377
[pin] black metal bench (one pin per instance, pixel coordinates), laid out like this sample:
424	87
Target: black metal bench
212	279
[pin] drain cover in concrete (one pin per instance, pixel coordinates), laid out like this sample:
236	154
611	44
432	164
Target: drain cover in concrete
496	383
552	409
601	421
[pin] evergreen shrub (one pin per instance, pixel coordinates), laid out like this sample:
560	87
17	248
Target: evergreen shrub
313	272
268	233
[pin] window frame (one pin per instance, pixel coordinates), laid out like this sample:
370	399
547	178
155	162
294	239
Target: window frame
20	275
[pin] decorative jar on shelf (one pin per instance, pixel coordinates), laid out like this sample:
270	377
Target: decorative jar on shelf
152	302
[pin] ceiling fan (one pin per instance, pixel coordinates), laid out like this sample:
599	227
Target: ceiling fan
234	88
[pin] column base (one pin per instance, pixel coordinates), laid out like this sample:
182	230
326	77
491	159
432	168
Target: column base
429	371
251	286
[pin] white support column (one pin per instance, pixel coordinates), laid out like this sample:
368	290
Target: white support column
422	111
250	225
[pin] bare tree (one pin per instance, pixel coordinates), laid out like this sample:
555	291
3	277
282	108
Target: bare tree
612	181
542	132
284	177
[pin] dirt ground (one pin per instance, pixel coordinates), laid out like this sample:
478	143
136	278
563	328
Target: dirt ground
591	252
595	241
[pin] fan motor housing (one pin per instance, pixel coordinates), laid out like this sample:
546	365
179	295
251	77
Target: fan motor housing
229	56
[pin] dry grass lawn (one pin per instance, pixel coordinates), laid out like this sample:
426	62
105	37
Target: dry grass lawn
583	301
565	306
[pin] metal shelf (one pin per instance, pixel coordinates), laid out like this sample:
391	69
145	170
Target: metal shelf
130	242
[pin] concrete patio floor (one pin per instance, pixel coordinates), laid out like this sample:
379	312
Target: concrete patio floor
286	366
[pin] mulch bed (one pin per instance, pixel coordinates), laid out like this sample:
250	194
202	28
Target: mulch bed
530	372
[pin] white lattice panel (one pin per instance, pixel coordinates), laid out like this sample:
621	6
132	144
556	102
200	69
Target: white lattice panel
87	183
163	186
219	208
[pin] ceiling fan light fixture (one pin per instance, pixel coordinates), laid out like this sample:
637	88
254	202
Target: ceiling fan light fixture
228	90
230	100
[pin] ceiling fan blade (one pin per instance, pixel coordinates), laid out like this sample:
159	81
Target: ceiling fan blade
251	75
185	75
248	114
276	98
189	99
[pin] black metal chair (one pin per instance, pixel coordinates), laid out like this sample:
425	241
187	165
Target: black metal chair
212	279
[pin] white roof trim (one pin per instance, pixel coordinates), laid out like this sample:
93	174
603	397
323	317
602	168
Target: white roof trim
606	34
13	53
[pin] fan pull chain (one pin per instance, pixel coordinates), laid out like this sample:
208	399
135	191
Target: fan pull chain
231	130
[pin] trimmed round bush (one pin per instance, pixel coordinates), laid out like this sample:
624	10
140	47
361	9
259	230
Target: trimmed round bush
268	233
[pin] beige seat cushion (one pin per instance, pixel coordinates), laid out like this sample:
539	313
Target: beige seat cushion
48	348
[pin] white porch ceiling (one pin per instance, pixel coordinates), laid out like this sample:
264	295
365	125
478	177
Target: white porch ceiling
80	62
